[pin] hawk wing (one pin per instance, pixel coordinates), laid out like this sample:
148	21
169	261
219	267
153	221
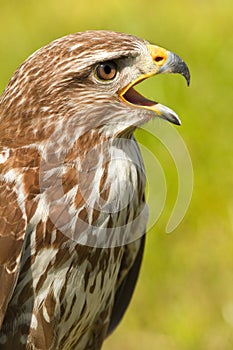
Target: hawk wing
128	275
12	232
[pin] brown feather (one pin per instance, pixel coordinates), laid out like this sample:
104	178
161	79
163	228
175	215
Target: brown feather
72	206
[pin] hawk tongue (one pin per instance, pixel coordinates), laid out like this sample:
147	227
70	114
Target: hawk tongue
132	96
163	112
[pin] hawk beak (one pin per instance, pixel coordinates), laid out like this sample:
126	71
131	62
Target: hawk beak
164	62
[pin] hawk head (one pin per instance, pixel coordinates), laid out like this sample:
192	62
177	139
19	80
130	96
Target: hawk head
93	71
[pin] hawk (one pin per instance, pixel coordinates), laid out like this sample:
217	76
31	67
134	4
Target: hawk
72	203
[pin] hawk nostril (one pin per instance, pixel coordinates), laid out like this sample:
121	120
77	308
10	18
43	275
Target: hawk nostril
159	59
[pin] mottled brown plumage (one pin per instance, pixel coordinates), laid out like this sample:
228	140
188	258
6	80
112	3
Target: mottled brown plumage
72	207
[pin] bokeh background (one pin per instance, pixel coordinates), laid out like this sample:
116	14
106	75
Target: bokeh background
184	298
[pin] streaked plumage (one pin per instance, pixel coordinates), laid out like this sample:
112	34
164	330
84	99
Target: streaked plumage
72	207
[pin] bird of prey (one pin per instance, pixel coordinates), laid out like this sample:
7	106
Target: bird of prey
72	204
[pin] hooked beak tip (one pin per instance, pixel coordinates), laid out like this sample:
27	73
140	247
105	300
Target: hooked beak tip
174	64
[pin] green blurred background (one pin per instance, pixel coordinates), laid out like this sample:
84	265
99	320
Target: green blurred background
184	298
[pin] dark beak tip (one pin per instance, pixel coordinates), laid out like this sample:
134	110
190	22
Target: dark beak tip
177	65
187	77
178	123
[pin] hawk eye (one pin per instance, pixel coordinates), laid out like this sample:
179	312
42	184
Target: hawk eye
106	70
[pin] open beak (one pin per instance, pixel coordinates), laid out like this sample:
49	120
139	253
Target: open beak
164	62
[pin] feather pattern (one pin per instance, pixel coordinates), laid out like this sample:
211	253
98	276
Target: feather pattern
72	182
66	214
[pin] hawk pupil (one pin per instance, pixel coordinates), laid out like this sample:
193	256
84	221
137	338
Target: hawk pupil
107	69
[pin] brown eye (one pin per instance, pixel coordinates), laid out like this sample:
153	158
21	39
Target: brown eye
106	70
